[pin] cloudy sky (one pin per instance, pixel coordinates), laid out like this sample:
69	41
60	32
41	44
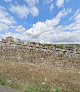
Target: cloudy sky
45	21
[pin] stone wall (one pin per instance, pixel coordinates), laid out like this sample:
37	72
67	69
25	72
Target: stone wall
36	54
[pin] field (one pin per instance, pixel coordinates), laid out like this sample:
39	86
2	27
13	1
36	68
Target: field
28	77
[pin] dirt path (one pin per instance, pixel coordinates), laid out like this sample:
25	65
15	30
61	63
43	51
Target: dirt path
5	89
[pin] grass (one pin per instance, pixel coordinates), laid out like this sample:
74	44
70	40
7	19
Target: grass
46	88
4	81
31	88
28	77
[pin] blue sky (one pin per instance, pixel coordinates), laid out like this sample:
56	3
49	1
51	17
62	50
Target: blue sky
45	21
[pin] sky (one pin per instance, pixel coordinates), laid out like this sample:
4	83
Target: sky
44	21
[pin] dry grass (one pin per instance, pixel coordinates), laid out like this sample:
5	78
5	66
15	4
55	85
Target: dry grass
26	74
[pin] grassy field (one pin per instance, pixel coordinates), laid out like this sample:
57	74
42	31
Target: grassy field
38	78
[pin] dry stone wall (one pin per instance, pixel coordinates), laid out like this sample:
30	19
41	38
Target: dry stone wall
35	54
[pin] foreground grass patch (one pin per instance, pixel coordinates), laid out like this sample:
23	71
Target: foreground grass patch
46	88
22	76
31	88
10	83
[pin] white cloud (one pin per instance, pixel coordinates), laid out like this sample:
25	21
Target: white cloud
21	11
50	5
51	31
60	3
72	17
15	35
32	3
77	17
51	8
20	28
49	1
75	25
6	21
24	11
7	0
34	11
46	31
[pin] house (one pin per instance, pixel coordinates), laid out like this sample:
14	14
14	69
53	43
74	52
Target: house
10	40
